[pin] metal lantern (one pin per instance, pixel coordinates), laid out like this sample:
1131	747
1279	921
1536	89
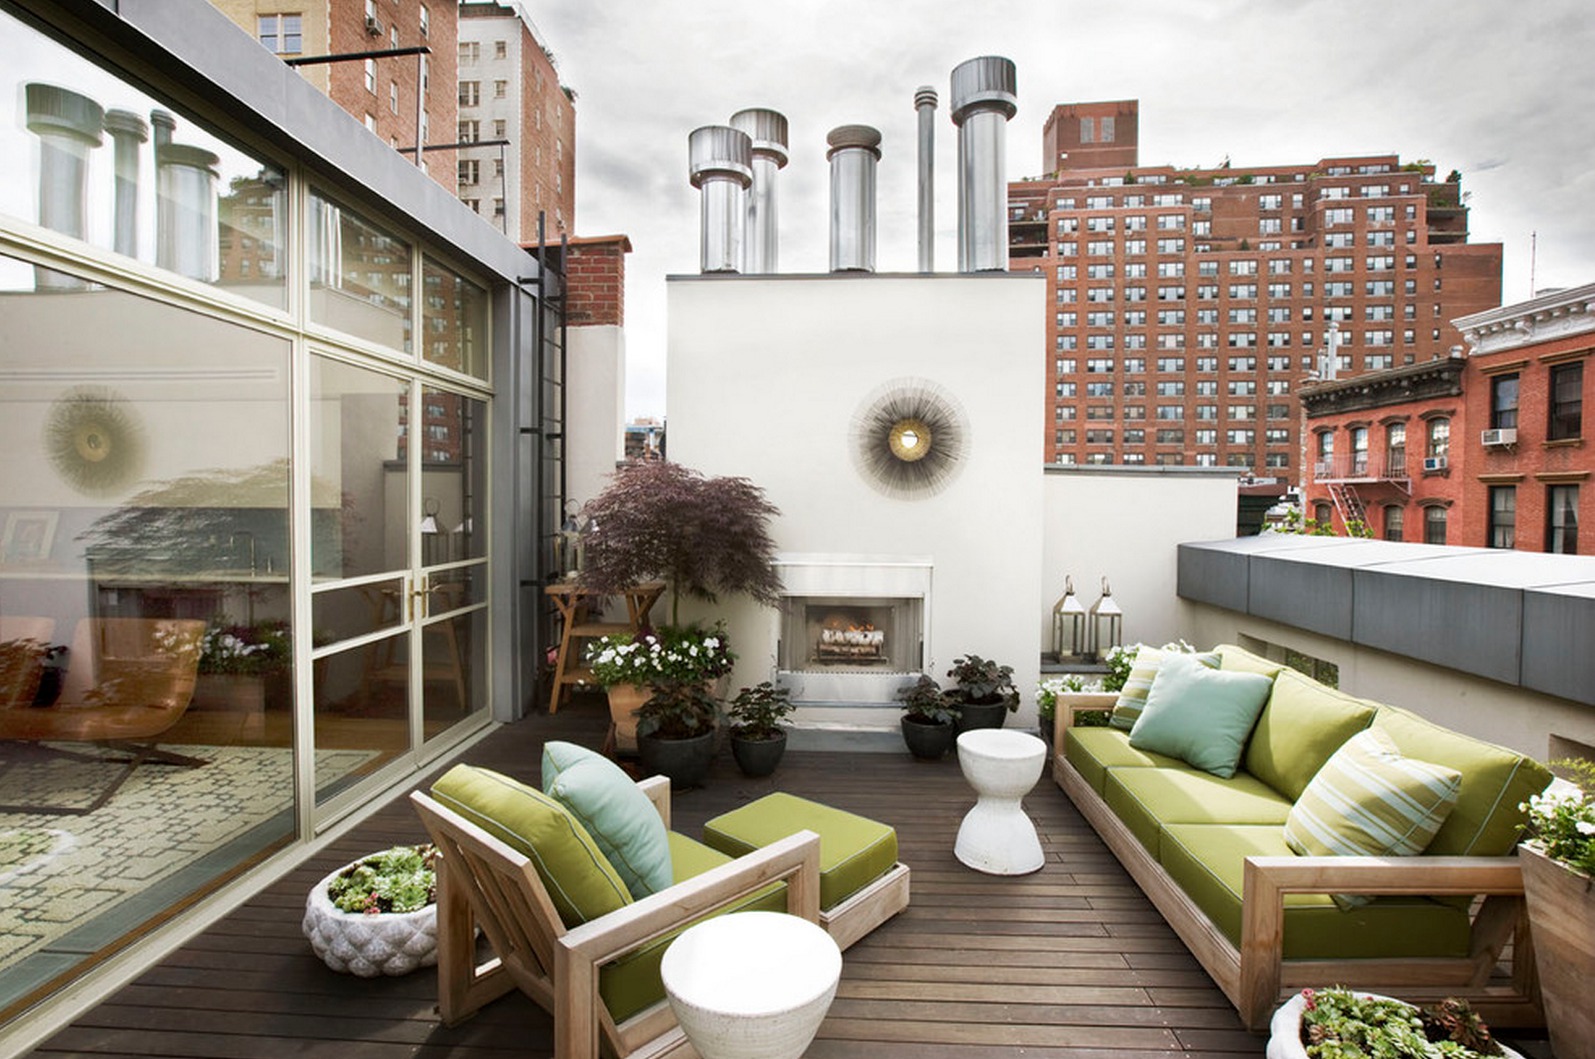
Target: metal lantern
1069	642
1107	623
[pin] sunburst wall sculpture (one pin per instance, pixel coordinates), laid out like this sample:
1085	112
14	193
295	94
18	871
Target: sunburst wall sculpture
95	441
910	438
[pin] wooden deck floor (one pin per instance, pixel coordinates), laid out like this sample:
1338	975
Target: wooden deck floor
1071	961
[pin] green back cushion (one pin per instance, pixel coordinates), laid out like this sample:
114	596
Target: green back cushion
1371	801
1301	726
614	811
578	877
1495	782
1143	671
1242	660
1200	715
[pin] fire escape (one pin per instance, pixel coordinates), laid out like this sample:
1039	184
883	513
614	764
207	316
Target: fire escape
1348	503
1342	475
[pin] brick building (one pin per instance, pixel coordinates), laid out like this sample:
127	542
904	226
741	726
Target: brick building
509	89
380	92
1488	450
1187	305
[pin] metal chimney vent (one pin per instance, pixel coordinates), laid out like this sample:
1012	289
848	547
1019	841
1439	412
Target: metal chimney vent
925	104
984	97
854	150
767	129
720	163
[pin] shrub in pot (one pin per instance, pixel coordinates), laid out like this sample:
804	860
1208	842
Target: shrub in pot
628	666
378	915
675	732
757	739
984	691
1340	1023
929	718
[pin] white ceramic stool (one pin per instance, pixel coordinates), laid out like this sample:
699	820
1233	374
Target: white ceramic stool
996	836
751	985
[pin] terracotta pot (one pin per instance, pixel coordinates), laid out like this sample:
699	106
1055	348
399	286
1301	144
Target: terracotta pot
1561	904
624	700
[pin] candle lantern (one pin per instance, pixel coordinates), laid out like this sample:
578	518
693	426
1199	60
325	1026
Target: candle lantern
1069	641
1107	623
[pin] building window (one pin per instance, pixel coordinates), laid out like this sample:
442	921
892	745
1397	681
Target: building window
1087	130
1394	519
500	89
1503	403
426	22
1567	402
500	49
1434	525
470	171
1439	444
281	33
470	52
1502	530
469	130
1359	452
470	93
393	96
1396	450
1323	514
1561	519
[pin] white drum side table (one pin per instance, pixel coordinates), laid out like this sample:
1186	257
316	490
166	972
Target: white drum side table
751	985
1002	766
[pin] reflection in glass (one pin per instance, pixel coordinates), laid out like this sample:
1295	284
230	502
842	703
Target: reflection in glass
454	315
356	610
127	172
454	657
361	709
359	276
453	440
359	478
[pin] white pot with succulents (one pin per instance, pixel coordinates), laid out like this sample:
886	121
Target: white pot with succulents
378	915
1317	1023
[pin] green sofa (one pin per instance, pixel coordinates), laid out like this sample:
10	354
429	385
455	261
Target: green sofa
1211	853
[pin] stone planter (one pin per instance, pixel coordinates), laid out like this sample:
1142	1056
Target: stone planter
928	742
758	757
1284	1031
1561	907
685	761
369	945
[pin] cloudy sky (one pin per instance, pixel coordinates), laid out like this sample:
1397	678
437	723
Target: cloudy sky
1503	92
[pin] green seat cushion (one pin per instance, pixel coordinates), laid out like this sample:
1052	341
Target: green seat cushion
1092	751
1303	724
578	877
854	850
1495	782
1200	715
1371	801
1143	671
631	983
1207	861
615	812
1147	800
1243	661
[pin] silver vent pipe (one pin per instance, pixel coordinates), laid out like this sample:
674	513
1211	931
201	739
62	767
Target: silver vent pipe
767	129
984	97
720	164
69	127
925	104
854	150
186	237
128	131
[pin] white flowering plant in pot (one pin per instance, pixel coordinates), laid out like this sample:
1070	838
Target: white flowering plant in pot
670	655
1561	821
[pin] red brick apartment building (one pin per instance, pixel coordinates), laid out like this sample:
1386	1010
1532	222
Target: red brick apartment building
1488	450
1187	305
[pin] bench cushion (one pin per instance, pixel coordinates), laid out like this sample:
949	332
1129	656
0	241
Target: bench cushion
1207	862
614	811
1302	725
1092	751
854	850
1148	799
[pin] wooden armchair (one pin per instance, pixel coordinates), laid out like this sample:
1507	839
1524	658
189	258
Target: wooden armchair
482	882
128	680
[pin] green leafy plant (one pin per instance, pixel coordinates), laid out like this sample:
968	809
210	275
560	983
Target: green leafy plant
979	681
1339	1024
1118	660
400	879
678	710
1562	820
924	701
1047	693
665	656
757	712
265	647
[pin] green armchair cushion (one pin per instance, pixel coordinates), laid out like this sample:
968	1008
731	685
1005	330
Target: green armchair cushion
579	878
1200	715
614	811
1300	727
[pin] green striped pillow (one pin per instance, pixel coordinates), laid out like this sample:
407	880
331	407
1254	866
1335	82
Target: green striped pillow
1368	800
1132	697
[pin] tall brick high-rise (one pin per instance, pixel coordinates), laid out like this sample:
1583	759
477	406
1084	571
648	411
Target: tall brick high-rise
1187	305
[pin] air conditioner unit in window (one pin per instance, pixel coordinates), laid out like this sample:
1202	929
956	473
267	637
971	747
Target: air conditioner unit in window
373	26
1504	436
1434	463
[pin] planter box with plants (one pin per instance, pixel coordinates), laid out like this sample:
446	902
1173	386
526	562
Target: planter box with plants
378	915
758	740
631	668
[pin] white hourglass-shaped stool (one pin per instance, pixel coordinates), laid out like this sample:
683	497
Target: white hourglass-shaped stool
996	836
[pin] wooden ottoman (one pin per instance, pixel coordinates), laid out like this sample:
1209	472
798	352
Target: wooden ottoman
862	883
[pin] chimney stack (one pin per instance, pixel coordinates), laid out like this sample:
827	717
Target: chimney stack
186	238
767	130
925	104
128	131
984	96
720	163
69	127
854	150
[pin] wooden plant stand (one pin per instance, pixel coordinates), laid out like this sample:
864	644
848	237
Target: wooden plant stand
573	603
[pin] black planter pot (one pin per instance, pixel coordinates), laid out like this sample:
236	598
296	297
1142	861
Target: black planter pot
973	715
758	757
685	761
928	742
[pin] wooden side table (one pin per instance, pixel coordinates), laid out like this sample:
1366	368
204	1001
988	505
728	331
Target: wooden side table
573	603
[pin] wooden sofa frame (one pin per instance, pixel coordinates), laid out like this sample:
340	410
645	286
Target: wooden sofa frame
1255	976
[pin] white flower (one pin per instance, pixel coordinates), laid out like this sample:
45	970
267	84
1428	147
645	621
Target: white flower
1585	827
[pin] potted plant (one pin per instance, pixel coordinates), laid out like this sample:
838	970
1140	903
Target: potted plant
1559	886
675	732
929	718
630	666
378	915
757	739
1340	1024
984	691
1047	693
243	667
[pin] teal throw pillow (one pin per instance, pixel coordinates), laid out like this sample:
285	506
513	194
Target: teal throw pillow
1201	716
615	812
1143	670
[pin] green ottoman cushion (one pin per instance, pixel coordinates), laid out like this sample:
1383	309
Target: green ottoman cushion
1301	727
1148	799
1208	862
1092	751
854	851
632	983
